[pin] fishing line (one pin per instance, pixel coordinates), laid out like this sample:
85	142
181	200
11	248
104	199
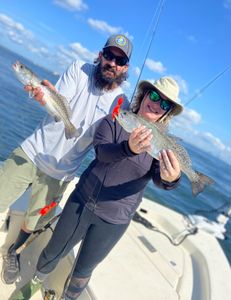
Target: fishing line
197	94
156	16
146	37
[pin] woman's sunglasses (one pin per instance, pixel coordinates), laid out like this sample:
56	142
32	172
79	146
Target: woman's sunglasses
119	60
164	104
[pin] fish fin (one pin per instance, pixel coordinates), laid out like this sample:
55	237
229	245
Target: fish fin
199	185
72	132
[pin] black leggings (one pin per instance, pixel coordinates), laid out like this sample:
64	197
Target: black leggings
77	222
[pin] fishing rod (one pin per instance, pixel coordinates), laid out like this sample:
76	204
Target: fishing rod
36	233
197	94
156	16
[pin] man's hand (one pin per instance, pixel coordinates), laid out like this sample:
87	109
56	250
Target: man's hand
37	92
169	166
139	140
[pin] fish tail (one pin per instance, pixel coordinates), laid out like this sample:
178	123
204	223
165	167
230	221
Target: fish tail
199	185
71	131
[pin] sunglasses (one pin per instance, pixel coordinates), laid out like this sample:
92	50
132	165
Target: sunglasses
119	60
164	104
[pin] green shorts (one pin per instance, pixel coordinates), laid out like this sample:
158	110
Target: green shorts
17	174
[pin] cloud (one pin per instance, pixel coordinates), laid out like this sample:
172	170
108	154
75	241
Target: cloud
187	119
227	4
14	37
83	52
65	52
103	26
155	66
65	55
213	145
14	30
18	34
127	87
72	5
182	84
208	139
136	71
184	126
38	50
63	58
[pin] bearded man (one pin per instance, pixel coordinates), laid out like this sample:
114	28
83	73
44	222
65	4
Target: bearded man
46	161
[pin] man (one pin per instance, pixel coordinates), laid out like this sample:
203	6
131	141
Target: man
46	160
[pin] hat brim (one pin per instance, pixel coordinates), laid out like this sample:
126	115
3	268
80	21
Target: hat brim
146	86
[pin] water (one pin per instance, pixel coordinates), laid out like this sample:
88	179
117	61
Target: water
19	115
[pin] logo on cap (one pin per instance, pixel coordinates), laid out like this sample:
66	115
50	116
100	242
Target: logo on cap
120	40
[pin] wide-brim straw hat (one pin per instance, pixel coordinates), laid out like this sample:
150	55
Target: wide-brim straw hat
168	87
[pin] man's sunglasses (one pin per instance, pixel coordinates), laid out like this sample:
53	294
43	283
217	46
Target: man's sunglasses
164	104
119	60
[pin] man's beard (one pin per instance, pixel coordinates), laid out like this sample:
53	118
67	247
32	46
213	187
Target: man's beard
104	82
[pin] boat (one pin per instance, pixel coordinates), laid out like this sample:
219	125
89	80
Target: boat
166	257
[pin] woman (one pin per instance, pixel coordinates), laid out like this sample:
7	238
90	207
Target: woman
111	188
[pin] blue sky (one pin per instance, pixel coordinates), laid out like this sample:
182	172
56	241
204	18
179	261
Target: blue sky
192	44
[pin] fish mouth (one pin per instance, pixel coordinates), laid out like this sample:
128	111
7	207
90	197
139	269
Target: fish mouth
15	66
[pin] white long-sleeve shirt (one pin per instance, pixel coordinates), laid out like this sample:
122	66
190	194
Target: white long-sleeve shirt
47	147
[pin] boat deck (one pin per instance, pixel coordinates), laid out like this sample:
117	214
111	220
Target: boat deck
144	264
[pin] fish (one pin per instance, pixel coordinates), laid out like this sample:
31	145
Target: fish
163	140
56	104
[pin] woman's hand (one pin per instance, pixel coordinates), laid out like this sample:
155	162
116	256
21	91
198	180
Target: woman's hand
169	166
37	92
139	140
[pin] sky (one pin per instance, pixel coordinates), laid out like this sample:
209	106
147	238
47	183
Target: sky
190	41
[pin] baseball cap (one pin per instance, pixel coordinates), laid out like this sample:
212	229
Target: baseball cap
120	41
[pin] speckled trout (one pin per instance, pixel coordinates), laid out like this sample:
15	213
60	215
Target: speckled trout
56	104
162	140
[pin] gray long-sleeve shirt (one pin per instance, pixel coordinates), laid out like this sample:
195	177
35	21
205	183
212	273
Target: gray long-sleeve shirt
114	182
